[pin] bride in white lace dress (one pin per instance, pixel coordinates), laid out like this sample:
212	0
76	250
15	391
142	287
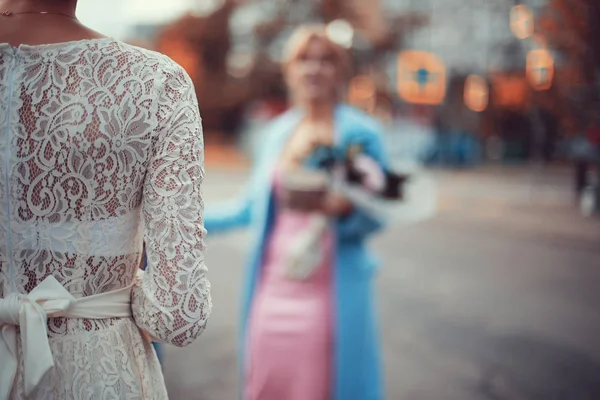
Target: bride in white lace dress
101	150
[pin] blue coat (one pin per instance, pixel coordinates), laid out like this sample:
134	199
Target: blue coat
357	358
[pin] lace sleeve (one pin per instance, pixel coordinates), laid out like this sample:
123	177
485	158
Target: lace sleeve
171	302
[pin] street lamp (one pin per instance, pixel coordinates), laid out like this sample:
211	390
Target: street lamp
477	93
362	93
521	21
540	69
341	32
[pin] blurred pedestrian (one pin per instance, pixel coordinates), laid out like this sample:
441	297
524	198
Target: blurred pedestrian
101	151
587	157
309	328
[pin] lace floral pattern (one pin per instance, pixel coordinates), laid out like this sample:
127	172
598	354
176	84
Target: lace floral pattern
101	150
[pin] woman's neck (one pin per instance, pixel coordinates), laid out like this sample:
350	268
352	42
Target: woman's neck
64	6
322	111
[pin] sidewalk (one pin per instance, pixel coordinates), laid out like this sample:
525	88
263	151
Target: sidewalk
509	185
538	205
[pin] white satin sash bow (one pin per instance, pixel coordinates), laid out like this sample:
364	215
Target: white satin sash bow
31	312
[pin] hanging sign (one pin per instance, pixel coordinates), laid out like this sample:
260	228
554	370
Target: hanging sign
421	78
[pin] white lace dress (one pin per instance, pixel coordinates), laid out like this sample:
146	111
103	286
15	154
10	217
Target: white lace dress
101	150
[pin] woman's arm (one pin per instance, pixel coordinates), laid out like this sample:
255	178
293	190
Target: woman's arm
236	214
226	217
171	301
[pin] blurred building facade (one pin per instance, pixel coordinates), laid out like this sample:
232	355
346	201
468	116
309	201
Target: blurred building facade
232	49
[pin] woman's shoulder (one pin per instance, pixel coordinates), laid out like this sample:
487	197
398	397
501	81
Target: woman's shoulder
355	121
158	63
281	124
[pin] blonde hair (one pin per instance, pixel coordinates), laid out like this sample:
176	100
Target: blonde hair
303	36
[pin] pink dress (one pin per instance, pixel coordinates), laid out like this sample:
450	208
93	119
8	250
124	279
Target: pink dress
290	329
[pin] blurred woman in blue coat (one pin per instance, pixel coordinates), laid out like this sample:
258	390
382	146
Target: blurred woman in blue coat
311	335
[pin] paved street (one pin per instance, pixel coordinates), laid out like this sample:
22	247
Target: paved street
496	298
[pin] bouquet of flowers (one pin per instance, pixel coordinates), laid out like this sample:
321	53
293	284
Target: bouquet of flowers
360	179
353	171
